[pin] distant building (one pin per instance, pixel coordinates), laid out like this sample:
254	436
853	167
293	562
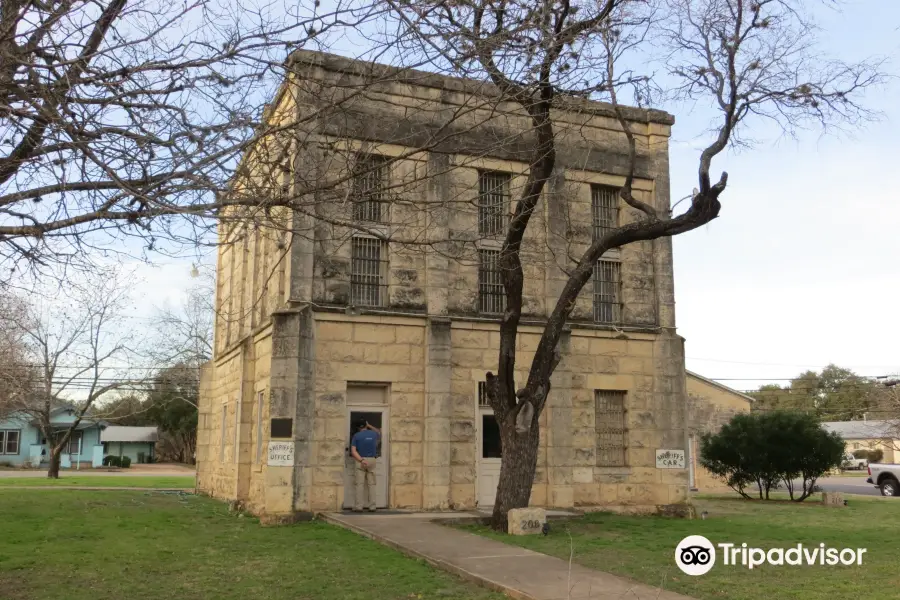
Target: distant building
22	444
137	443
869	435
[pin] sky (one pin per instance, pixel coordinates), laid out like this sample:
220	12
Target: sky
802	268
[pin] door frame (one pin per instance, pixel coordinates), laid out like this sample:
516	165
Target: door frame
385	411
480	411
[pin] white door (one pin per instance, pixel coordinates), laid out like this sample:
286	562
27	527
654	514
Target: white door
489	457
377	417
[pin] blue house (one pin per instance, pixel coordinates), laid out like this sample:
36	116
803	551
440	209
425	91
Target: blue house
22	444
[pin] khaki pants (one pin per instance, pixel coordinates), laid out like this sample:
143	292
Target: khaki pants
365	484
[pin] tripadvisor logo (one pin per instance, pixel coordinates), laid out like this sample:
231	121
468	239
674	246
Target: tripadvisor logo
696	555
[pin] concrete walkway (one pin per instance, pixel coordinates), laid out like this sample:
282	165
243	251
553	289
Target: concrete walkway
520	573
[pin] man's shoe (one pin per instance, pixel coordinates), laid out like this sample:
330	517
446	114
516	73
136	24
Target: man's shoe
371	510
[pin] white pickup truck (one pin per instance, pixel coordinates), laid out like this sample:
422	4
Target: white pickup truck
886	478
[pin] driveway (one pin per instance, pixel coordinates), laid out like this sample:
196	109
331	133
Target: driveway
849	485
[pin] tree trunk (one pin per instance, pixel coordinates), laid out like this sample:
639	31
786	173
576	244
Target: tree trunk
516	470
53	469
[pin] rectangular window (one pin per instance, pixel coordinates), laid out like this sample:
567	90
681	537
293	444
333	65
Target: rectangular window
370	183
491	296
482	394
259	421
604	209
491	446
9	441
493	201
607	296
609	420
368	272
74	446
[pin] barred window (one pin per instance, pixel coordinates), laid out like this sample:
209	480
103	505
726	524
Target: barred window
368	269
493	201
482	394
610	426
491	296
607	292
604	209
370	182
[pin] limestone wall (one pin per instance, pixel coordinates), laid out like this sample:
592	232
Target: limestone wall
709	407
220	392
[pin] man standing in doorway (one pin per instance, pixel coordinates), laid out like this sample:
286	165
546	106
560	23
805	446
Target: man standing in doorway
364	448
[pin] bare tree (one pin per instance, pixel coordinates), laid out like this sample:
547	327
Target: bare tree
114	113
745	58
17	374
184	333
80	345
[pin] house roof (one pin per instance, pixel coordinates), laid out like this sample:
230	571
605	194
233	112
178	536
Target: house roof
118	433
863	430
722	387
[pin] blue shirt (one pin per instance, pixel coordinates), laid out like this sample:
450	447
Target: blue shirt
366	443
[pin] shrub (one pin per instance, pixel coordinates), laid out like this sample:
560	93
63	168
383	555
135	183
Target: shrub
125	462
111	461
767	449
875	456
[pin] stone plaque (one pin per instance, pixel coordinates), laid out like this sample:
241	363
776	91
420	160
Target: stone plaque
670	459
526	521
832	499
281	454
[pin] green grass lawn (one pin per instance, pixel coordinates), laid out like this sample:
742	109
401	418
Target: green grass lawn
149	481
643	548
85	545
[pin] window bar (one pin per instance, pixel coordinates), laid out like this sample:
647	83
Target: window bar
491	295
610	425
604	209
367	280
607	297
369	189
493	200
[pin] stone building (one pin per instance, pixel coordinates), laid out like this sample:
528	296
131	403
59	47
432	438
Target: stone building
320	323
710	405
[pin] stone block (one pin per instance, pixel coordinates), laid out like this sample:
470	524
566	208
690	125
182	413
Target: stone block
373	334
460	474
407	405
406	430
583	475
462	496
471	339
587	494
405	476
409	335
407	496
832	499
397	354
562	496
324	498
526	521
462	454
